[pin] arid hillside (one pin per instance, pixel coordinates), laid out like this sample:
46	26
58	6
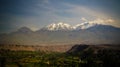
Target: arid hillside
58	48
51	48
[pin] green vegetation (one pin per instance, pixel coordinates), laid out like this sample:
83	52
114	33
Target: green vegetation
103	58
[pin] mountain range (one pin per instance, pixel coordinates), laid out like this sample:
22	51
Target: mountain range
63	33
67	27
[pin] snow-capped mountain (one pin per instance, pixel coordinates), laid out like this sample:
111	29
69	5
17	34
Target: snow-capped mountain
67	27
80	33
58	26
84	25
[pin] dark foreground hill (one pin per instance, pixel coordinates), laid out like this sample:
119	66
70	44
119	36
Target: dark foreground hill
95	48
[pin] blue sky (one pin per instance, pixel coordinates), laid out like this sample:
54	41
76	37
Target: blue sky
36	14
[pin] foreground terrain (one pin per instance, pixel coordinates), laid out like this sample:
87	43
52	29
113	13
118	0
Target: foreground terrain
72	56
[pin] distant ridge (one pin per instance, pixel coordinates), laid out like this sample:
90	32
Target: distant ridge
23	30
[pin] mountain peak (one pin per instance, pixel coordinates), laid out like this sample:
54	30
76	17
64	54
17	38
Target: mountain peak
24	30
58	26
60	23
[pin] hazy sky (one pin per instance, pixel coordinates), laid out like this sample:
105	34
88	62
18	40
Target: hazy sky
38	13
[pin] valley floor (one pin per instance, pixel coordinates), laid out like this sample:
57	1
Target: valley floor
76	56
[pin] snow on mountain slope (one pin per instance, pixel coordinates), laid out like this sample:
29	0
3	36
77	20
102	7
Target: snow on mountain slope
58	26
84	25
67	27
